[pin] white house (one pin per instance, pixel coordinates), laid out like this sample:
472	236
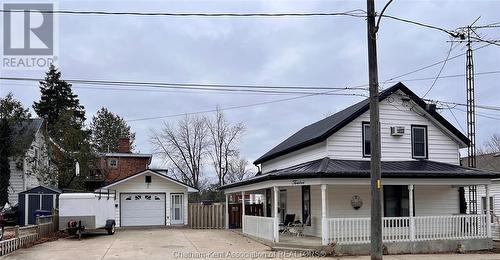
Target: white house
150	198
320	176
32	168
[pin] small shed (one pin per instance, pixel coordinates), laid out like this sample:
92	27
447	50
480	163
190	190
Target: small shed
38	198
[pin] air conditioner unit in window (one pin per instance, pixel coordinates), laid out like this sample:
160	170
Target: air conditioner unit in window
397	130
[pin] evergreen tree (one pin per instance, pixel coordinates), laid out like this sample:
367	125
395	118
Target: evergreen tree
57	98
106	129
12	113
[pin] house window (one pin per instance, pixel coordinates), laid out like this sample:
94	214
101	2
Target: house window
147	197
396	203
419	142
157	198
306	205
128	198
483	205
113	163
138	197
366	139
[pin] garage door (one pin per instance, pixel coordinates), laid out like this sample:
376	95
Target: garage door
144	209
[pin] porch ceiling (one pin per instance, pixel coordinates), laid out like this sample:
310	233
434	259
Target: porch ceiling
333	168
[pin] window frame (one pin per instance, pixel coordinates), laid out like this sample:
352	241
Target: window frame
363	135
426	142
306	189
113	166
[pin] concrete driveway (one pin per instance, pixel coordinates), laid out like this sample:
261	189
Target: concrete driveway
172	244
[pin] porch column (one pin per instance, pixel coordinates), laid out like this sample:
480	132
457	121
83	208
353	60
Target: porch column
276	215
488	214
227	212
412	219
325	237
242	210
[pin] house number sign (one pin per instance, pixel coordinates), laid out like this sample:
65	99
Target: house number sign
297	182
356	202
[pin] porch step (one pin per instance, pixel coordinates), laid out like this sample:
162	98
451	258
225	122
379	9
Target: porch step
292	249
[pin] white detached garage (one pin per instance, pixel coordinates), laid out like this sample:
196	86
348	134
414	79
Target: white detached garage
150	198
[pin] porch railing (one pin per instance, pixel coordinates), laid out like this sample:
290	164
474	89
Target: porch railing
261	227
401	229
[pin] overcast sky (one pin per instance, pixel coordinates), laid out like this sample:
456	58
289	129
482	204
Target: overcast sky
325	51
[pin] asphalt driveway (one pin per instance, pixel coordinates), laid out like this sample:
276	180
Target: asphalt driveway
172	244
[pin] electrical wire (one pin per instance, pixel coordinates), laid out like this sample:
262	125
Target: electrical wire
230	108
352	13
440	70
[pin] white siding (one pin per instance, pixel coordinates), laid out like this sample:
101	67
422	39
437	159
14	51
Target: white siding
16	182
436	200
158	185
307	154
339	198
347	142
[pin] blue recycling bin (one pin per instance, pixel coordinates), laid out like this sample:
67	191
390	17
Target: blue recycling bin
39	213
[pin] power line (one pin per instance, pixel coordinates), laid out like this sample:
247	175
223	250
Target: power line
352	13
230	108
440	70
194	86
449	32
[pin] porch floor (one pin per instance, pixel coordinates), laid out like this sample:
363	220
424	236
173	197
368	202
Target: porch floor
299	242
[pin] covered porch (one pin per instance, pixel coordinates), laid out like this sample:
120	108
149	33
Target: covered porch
337	211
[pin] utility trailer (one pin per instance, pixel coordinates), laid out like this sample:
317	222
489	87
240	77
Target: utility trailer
80	212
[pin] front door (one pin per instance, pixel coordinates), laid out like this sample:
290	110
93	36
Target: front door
177	206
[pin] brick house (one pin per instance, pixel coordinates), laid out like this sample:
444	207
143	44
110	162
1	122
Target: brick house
113	166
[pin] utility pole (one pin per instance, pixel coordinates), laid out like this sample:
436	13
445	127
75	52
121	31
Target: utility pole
375	171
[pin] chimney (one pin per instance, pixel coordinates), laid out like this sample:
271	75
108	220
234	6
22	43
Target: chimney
124	145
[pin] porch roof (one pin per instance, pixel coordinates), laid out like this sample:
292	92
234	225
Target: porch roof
333	168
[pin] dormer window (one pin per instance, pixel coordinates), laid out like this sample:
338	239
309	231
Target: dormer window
419	142
366	135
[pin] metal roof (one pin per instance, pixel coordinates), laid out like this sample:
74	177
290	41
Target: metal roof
321	130
333	168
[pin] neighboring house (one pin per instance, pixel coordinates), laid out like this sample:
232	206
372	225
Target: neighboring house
491	162
321	174
113	166
150	198
31	168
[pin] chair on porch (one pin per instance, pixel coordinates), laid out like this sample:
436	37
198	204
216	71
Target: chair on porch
298	228
285	227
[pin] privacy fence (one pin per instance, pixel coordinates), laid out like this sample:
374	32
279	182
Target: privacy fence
24	236
207	216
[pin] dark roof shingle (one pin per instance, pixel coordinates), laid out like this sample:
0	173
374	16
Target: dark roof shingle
333	168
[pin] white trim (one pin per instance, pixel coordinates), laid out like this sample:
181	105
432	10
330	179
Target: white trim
190	189
125	155
360	181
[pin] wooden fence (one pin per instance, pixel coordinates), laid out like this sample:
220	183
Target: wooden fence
207	216
26	235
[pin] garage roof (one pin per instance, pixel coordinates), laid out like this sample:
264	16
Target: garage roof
190	188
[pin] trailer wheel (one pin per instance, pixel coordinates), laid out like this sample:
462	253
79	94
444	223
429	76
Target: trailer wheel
111	230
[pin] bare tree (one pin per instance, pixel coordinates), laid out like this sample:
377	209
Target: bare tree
224	137
238	170
492	145
184	145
